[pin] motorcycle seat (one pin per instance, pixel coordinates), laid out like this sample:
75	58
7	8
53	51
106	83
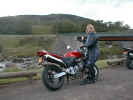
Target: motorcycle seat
56	55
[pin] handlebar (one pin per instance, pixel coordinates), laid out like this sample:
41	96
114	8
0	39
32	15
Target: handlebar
84	46
127	49
81	39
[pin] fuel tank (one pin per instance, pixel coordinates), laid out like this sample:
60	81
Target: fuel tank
75	54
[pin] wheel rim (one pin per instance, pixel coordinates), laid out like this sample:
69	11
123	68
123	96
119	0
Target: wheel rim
50	76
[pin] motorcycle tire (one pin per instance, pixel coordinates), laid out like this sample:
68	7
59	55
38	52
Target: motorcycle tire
49	80
129	64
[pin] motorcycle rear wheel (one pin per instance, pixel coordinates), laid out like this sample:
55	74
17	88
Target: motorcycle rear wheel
48	77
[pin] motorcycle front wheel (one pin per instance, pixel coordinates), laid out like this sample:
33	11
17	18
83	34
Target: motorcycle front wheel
48	77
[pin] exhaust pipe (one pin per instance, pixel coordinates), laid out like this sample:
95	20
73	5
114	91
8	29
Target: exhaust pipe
55	60
59	74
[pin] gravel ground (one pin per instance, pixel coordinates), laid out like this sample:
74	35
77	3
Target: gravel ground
114	84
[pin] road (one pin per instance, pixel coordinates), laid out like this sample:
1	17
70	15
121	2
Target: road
114	84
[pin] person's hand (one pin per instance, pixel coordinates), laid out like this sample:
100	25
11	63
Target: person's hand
81	45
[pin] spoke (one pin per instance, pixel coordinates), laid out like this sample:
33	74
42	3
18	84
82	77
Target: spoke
51	74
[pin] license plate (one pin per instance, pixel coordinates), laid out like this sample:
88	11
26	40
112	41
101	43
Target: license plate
40	60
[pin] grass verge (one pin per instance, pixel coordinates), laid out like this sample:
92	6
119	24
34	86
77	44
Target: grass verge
102	64
21	79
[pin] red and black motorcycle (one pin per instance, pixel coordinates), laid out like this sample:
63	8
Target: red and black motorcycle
57	67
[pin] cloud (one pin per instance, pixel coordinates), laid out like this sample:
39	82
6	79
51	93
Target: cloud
107	10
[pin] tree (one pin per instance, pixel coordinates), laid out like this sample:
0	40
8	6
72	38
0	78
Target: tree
66	27
126	27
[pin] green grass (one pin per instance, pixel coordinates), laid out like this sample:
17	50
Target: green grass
13	80
15	69
25	45
43	29
102	64
106	52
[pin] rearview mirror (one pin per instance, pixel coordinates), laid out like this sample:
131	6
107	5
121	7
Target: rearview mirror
68	46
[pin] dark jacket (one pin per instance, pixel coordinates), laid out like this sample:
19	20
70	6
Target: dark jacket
93	51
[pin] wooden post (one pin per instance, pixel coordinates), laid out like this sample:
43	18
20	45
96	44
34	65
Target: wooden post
18	74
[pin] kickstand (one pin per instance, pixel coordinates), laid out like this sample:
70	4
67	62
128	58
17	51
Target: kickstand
81	75
67	79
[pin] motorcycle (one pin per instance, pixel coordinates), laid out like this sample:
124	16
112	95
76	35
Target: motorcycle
56	68
129	57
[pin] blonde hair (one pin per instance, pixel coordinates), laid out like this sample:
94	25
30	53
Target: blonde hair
91	27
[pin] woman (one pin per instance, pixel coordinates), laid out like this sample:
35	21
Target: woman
92	44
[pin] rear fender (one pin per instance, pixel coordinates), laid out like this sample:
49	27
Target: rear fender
55	60
51	64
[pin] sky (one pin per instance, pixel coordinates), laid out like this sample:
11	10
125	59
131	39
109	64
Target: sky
106	10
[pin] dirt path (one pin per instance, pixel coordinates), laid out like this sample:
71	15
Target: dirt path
115	84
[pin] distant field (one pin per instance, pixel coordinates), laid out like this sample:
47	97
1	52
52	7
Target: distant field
28	45
25	45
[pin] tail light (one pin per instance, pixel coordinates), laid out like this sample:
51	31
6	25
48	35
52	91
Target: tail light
41	53
40	60
124	52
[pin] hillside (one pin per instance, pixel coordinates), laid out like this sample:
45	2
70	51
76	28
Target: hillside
50	24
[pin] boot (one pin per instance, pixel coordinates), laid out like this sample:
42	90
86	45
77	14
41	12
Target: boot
92	74
86	80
